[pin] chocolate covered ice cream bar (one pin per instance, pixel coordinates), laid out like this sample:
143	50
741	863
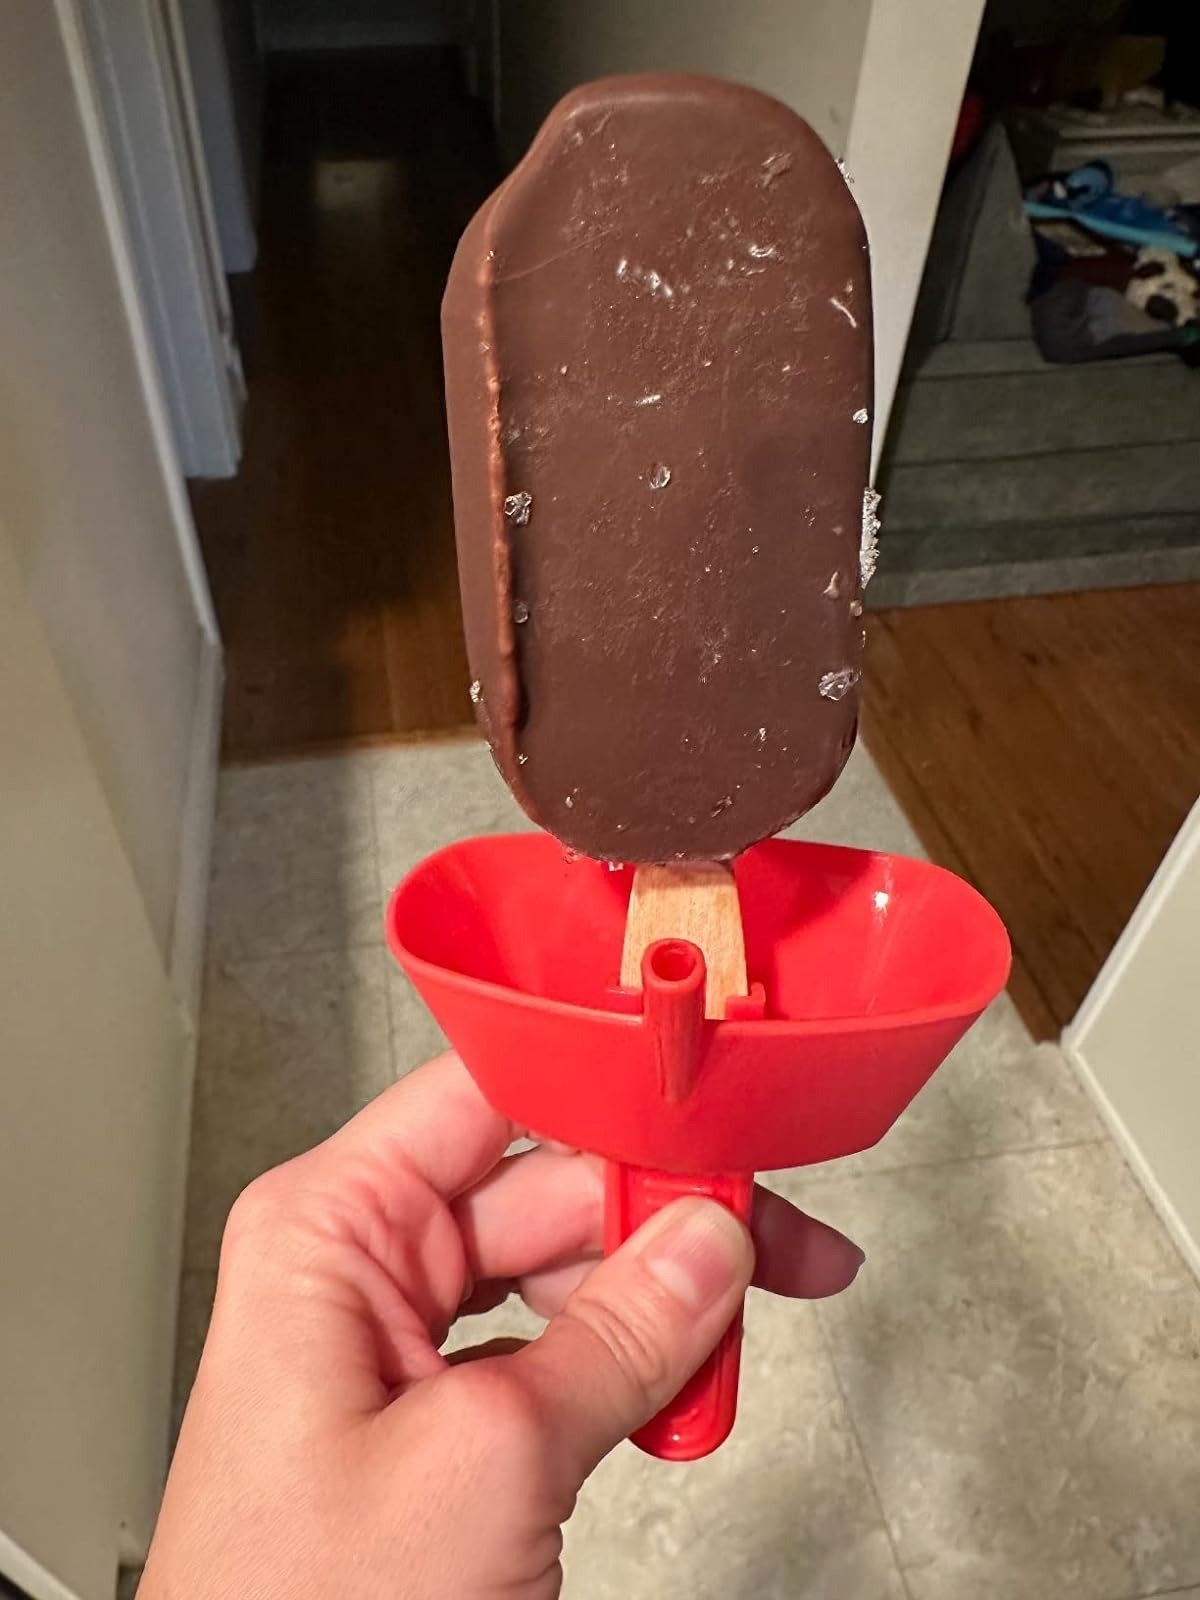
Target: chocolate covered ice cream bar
658	373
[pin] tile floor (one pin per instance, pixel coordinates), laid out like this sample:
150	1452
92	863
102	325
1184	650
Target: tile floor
1006	1406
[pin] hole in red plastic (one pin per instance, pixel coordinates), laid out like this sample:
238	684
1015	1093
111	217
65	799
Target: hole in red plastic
674	961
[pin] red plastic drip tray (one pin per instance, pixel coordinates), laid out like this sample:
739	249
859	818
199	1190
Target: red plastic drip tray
873	966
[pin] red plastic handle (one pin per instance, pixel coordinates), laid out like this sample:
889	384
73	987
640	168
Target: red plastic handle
702	1413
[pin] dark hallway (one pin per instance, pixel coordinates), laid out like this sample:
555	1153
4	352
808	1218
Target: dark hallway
331	555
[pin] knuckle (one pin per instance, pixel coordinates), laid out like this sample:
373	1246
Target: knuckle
492	1405
259	1210
514	1409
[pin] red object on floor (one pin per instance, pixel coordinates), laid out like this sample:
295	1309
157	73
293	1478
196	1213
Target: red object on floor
971	118
865	970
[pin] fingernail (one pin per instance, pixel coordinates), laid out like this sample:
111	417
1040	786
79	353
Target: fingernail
697	1250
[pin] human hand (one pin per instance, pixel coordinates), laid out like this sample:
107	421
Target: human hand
328	1448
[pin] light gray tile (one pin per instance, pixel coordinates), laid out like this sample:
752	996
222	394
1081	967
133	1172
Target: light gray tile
196	1291
931	1129
996	1091
1021	1355
1014	1094
294	865
512	1320
290	1047
427	796
415	1036
783	1511
860	810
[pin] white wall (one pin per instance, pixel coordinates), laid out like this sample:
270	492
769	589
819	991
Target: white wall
175	248
220	44
880	80
89	491
1137	1039
915	60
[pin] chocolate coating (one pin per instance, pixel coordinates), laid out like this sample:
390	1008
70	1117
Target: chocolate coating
657	339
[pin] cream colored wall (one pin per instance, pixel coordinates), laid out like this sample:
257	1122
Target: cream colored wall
1137	1039
94	1097
88	488
109	685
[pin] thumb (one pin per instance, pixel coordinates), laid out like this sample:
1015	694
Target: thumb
638	1327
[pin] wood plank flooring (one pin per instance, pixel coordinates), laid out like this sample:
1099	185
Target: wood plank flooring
1048	749
331	554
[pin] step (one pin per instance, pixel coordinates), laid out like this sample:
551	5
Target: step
957	358
1039	411
1066	486
993	560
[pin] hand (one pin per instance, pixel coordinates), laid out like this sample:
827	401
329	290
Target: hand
329	1450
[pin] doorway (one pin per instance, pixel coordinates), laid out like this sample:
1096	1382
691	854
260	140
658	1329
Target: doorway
331	554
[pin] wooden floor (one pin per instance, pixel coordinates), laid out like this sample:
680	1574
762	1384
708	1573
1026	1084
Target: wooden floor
331	555
1048	750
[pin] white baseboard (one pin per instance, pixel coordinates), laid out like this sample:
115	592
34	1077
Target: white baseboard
196	835
1184	1239
137	1527
29	1577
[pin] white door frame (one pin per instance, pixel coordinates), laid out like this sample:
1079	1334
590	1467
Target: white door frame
187	937
71	21
19	1567
202	47
917	54
141	80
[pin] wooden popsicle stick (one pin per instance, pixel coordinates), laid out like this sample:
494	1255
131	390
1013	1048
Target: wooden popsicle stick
697	902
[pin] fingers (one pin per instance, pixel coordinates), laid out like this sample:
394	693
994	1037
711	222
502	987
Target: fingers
799	1256
545	1292
637	1328
364	1216
544	1208
537	1221
532	1211
434	1122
